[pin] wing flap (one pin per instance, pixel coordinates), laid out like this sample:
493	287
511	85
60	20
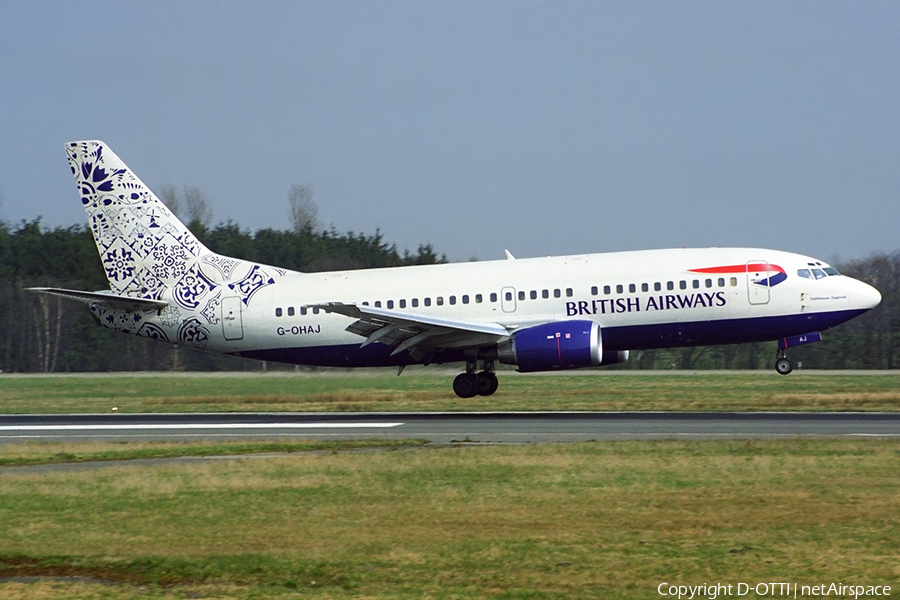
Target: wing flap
407	331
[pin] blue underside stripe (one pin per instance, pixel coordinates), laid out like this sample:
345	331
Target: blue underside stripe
631	337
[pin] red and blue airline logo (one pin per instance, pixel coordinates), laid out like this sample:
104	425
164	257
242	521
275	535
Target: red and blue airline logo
767	274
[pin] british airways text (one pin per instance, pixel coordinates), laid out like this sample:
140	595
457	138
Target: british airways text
608	306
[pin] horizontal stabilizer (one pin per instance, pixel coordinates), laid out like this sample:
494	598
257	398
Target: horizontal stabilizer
109	298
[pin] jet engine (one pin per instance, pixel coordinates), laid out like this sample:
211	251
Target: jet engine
559	345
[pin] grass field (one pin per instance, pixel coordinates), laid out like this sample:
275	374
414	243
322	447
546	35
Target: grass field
426	390
377	519
603	520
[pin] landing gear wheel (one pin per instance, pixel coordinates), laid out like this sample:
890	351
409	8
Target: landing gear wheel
466	385
487	383
783	365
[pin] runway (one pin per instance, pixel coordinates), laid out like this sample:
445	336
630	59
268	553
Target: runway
446	428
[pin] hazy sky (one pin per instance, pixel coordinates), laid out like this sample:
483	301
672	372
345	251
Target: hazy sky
541	127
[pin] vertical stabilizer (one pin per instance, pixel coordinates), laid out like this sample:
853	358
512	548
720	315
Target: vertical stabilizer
144	248
148	253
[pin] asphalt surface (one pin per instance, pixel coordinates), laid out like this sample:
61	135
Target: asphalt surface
446	428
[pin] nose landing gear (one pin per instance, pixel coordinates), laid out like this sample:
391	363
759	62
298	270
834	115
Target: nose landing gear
471	384
783	364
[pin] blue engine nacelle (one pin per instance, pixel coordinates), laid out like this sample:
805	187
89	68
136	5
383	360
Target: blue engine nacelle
557	346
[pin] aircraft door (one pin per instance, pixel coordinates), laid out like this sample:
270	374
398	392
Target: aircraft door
508	299
232	325
758	282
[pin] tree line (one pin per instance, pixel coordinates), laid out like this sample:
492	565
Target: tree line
40	333
46	334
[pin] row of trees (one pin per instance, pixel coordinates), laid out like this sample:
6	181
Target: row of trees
46	334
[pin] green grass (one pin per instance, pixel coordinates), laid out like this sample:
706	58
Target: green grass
40	453
426	390
603	520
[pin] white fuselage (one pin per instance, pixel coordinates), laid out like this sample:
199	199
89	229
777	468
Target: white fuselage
642	299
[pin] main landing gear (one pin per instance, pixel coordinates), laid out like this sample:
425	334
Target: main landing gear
783	364
471	384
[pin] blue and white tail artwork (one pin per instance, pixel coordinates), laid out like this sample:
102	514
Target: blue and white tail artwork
538	314
148	254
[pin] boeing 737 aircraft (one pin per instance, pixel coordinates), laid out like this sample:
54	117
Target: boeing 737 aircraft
540	314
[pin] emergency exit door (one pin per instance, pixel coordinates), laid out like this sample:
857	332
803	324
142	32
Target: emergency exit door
758	282
232	326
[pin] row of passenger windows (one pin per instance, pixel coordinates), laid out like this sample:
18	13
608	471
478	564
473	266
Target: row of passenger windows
670	285
533	295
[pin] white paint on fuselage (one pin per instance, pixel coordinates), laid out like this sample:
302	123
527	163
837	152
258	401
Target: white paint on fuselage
580	273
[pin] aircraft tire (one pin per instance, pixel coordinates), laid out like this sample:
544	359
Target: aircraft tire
487	383
784	366
466	385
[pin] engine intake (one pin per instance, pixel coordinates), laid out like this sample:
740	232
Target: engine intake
559	345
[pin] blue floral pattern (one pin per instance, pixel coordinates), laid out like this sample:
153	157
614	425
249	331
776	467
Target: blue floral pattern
148	253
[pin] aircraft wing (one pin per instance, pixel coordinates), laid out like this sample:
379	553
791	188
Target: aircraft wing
419	334
110	298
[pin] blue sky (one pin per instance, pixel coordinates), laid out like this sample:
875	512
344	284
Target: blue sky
541	127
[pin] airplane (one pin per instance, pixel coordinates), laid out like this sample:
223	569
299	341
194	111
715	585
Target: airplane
539	314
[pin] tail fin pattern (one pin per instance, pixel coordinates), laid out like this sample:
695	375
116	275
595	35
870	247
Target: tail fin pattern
144	248
148	253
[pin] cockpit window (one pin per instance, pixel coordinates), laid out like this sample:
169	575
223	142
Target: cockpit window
817	273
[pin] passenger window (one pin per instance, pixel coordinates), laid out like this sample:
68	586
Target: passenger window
478	298
533	294
277	312
645	287
403	303
390	304
594	290
303	309
521	295
682	284
619	289
657	287
557	293
290	311
721	282
733	282
452	299
493	296
709	283
632	288
569	293
509	296
465	299
427	301
440	300
545	293
315	310
415	302
607	290
302	312
378	304
670	285
696	284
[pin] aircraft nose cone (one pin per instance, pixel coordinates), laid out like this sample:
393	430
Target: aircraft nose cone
867	296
